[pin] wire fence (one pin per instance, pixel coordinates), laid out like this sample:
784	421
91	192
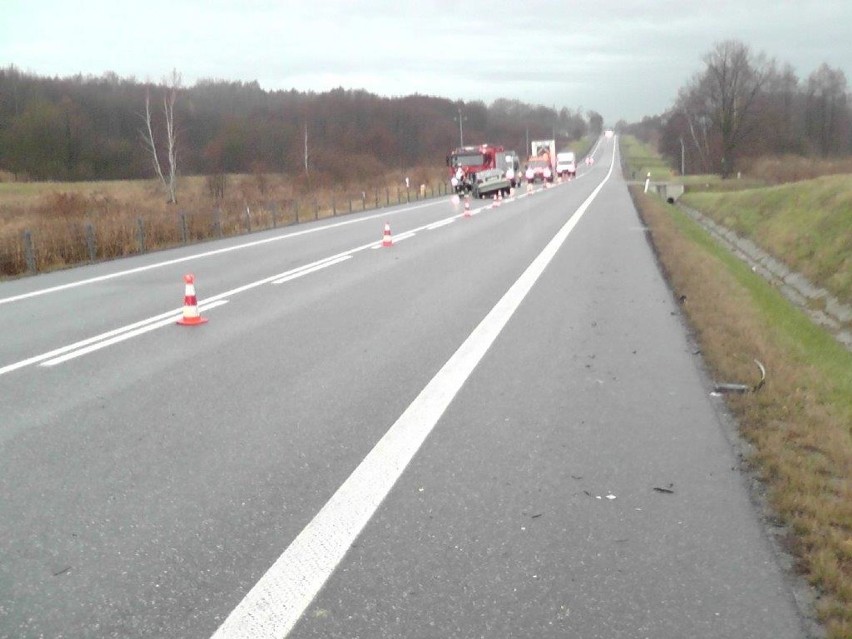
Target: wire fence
98	237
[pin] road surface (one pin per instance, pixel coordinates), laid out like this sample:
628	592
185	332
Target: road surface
494	428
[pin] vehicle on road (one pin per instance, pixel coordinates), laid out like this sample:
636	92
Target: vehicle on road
566	164
464	162
541	165
538	170
490	183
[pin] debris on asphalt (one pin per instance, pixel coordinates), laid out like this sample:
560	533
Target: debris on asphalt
667	491
727	388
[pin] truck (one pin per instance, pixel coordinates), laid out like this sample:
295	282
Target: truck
566	164
541	165
465	161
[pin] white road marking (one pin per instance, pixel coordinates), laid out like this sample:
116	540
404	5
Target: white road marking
164	319
276	603
438	225
70	347
140	269
396	239
55	356
313	269
127	335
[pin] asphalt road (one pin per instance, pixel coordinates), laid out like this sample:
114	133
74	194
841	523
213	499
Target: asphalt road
461	435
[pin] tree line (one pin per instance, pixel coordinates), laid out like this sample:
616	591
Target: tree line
107	127
743	105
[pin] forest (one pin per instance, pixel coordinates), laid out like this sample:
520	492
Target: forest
743	105
94	128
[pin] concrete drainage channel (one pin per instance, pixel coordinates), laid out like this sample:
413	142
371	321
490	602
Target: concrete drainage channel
819	304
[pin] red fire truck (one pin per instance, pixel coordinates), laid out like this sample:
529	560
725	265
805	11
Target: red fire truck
465	161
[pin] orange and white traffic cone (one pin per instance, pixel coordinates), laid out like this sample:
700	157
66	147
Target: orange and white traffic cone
467	205
387	239
191	316
499	198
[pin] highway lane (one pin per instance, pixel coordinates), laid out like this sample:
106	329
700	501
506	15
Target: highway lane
52	310
148	486
532	509
99	432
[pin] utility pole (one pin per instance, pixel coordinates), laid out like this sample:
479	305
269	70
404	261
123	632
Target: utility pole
682	158
461	129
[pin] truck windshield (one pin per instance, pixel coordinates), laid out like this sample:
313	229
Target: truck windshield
471	159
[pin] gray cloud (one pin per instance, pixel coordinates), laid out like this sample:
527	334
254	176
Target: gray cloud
625	59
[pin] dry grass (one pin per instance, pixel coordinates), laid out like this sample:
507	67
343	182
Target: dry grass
799	423
72	223
793	168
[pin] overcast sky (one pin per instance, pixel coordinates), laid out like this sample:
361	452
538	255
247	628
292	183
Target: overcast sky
624	59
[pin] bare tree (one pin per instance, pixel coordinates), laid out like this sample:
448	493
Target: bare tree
781	112
727	91
172	86
826	118
694	126
306	154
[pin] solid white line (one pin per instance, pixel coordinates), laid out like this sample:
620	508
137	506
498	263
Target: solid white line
70	347
275	604
140	269
306	271
126	335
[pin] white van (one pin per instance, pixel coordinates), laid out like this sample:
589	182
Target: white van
566	164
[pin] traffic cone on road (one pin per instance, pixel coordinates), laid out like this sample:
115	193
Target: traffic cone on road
191	316
387	239
467	205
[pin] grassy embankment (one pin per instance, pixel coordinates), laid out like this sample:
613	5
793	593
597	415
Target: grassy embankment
809	223
800	422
